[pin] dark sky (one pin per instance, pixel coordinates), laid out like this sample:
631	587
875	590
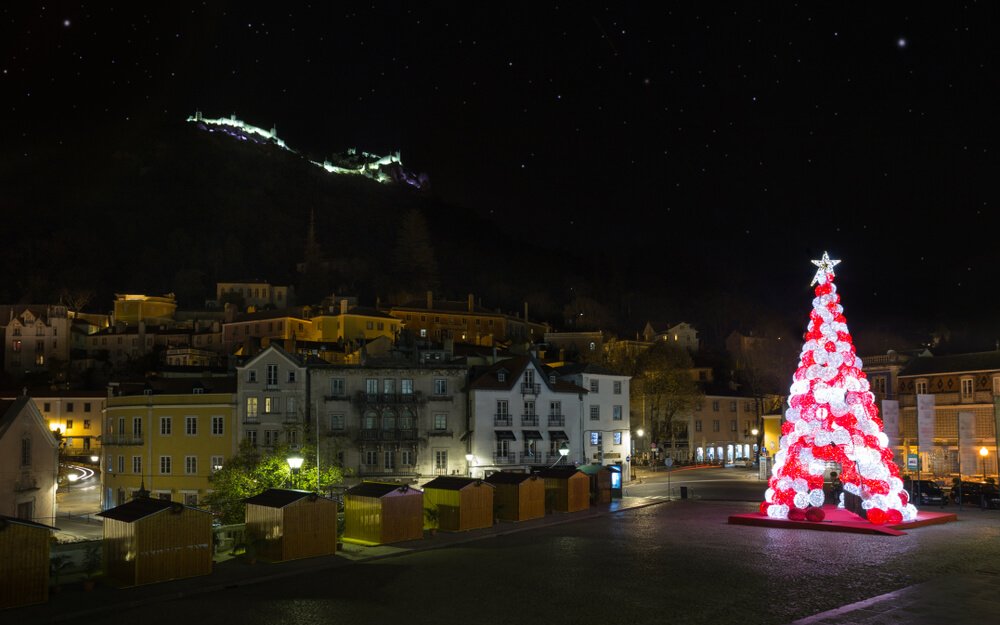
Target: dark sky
721	146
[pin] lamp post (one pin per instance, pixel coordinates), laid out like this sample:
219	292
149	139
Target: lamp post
469	459
295	463
563	452
983	452
756	446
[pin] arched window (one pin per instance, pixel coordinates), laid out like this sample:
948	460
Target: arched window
389	420
370	420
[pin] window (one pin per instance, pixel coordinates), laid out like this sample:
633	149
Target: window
595	413
616	413
336	422
389	386
732	425
218	426
190	499
715	406
136	465
370	419
371	386
86	424
369	325
251	406
86	406
389	461
272	375
270	438
166	424
921	387
594	386
502	408
371	458
136	427
190	465
406	386
191	426
47	407
406	457
618	438
878	385
217	463
69	406
69	424
501	376
967	392
529	408
337	387
291	405
715	425
164	465
252	437
697	407
555	408
440	386
732	406
616	387
596	439
440	422
293	437
270	405
441	459
252	375
291	376
25	452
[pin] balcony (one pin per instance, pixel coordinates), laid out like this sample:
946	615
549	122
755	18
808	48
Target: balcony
339	397
503	419
124	440
290	418
375	470
508	458
551	457
385	399
556	420
530	389
26	483
369	435
254	420
532	457
529	419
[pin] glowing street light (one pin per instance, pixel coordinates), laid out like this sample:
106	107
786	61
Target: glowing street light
469	459
295	463
983	452
563	452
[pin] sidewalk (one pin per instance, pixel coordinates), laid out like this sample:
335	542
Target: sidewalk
73	603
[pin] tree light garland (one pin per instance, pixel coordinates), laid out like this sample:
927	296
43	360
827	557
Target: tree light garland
832	417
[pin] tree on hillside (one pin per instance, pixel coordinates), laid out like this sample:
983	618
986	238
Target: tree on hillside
253	470
413	261
584	313
663	384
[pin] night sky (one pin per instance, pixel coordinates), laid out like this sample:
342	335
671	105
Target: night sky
721	148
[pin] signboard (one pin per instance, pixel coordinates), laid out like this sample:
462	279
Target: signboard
652	445
925	422
613	454
668	462
890	420
912	462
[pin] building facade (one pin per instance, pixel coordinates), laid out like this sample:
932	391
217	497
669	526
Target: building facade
466	322
29	463
167	436
35	338
256	293
272	390
606	414
76	418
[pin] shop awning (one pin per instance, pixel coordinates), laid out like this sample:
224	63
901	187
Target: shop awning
558	435
505	435
532	434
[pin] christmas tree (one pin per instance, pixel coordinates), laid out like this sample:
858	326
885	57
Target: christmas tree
832	417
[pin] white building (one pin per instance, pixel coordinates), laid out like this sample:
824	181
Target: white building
29	462
606	417
520	414
34	336
271	394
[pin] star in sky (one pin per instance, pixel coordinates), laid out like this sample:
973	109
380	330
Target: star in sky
901	42
825	266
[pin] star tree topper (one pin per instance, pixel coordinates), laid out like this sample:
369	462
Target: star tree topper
825	266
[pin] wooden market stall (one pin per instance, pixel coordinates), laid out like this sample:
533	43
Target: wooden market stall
24	562
154	540
284	524
377	513
600	482
566	489
518	496
460	503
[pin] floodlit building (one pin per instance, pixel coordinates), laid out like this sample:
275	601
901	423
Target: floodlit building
75	415
131	308
606	413
35	338
256	293
466	322
271	399
29	462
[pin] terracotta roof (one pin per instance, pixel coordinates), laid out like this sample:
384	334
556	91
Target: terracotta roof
451	483
142	507
279	497
379	489
586	367
957	363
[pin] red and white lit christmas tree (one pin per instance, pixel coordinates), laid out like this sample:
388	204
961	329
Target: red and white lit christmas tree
832	417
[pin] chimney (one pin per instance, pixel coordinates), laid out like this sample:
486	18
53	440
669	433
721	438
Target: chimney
472	302
430	300
343	306
526	312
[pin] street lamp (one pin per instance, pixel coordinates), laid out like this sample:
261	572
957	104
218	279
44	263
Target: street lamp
983	452
95	459
469	458
295	463
72	477
563	452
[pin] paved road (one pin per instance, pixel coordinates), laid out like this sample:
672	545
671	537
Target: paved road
678	562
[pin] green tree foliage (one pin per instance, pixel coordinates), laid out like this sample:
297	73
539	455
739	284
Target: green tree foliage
252	471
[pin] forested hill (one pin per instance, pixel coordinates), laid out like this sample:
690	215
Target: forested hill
175	209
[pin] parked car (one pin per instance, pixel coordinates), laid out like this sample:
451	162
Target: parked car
925	493
977	494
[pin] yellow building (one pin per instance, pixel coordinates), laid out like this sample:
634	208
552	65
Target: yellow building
167	435
354	324
74	415
466	322
130	309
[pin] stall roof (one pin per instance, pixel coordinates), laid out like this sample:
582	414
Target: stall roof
509	477
142	507
558	472
10	519
452	483
378	489
278	497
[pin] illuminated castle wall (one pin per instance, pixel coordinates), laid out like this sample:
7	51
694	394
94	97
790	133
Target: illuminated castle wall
384	169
